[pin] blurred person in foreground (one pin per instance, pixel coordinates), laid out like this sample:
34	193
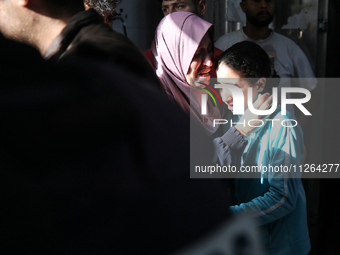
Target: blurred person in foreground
62	30
92	163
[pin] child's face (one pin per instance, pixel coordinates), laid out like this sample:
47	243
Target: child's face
226	75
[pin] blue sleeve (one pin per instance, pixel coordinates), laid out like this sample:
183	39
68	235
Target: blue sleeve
229	147
281	147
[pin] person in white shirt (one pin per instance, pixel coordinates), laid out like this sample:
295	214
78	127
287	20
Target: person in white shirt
287	59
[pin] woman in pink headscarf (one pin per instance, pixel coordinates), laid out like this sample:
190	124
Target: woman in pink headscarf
183	51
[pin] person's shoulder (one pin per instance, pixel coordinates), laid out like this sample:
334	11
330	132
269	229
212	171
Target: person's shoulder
227	40
19	58
279	114
99	42
100	33
231	34
281	123
284	40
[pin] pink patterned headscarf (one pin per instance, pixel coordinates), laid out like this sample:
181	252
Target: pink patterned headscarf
178	36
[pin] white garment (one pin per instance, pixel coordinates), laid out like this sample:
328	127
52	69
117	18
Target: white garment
289	60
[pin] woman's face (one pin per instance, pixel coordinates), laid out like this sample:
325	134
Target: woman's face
227	75
201	64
